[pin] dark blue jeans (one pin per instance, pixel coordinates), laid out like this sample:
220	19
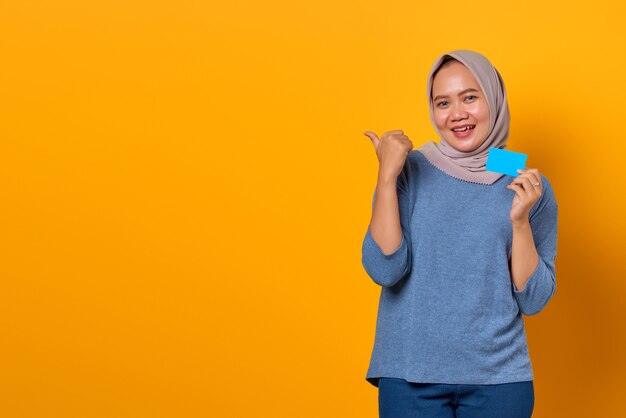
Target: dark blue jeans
398	398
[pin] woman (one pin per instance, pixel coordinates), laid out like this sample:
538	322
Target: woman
460	253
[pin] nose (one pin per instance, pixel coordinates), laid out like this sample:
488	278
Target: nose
458	113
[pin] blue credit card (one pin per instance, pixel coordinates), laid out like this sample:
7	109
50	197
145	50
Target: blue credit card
505	162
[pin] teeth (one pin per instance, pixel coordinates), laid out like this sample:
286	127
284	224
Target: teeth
464	129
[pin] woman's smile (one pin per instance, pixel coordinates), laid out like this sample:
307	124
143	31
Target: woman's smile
463	132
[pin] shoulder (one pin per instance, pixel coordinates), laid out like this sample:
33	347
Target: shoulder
416	161
406	180
413	165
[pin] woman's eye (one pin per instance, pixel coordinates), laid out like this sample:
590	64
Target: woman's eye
445	103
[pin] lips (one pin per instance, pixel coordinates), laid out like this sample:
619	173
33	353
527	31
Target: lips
463	128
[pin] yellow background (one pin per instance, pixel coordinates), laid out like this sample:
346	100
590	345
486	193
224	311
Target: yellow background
186	186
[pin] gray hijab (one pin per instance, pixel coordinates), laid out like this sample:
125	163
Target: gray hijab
470	166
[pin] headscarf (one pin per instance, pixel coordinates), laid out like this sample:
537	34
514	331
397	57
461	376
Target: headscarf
470	166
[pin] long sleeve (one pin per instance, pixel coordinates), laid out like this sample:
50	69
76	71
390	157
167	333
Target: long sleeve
541	285
388	269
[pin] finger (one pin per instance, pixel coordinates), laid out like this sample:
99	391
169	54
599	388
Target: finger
519	180
533	177
535	173
391	133
518	191
536	181
525	184
532	172
373	137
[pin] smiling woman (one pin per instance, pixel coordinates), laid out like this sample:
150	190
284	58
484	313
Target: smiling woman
465	89
460	254
461	111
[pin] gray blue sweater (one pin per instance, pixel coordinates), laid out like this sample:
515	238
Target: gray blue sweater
449	311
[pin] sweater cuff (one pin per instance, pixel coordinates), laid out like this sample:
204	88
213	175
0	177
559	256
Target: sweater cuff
531	280
537	292
385	269
379	254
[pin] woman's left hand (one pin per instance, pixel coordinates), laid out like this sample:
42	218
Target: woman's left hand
527	187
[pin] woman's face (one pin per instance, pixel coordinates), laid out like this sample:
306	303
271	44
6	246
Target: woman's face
458	102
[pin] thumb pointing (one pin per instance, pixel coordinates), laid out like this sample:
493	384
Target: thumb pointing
372	136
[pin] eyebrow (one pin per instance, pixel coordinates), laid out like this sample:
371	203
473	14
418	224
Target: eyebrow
441	96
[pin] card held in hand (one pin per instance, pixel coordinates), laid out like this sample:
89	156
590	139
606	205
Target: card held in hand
505	162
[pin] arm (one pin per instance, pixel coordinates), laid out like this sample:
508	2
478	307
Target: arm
534	253
385	223
386	250
524	256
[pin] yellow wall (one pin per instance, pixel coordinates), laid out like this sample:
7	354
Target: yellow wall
186	186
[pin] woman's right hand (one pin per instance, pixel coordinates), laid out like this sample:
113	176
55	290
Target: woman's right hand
391	150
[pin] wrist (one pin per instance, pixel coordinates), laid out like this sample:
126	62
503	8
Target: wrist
521	224
386	181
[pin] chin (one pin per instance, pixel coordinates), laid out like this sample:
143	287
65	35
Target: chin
464	145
